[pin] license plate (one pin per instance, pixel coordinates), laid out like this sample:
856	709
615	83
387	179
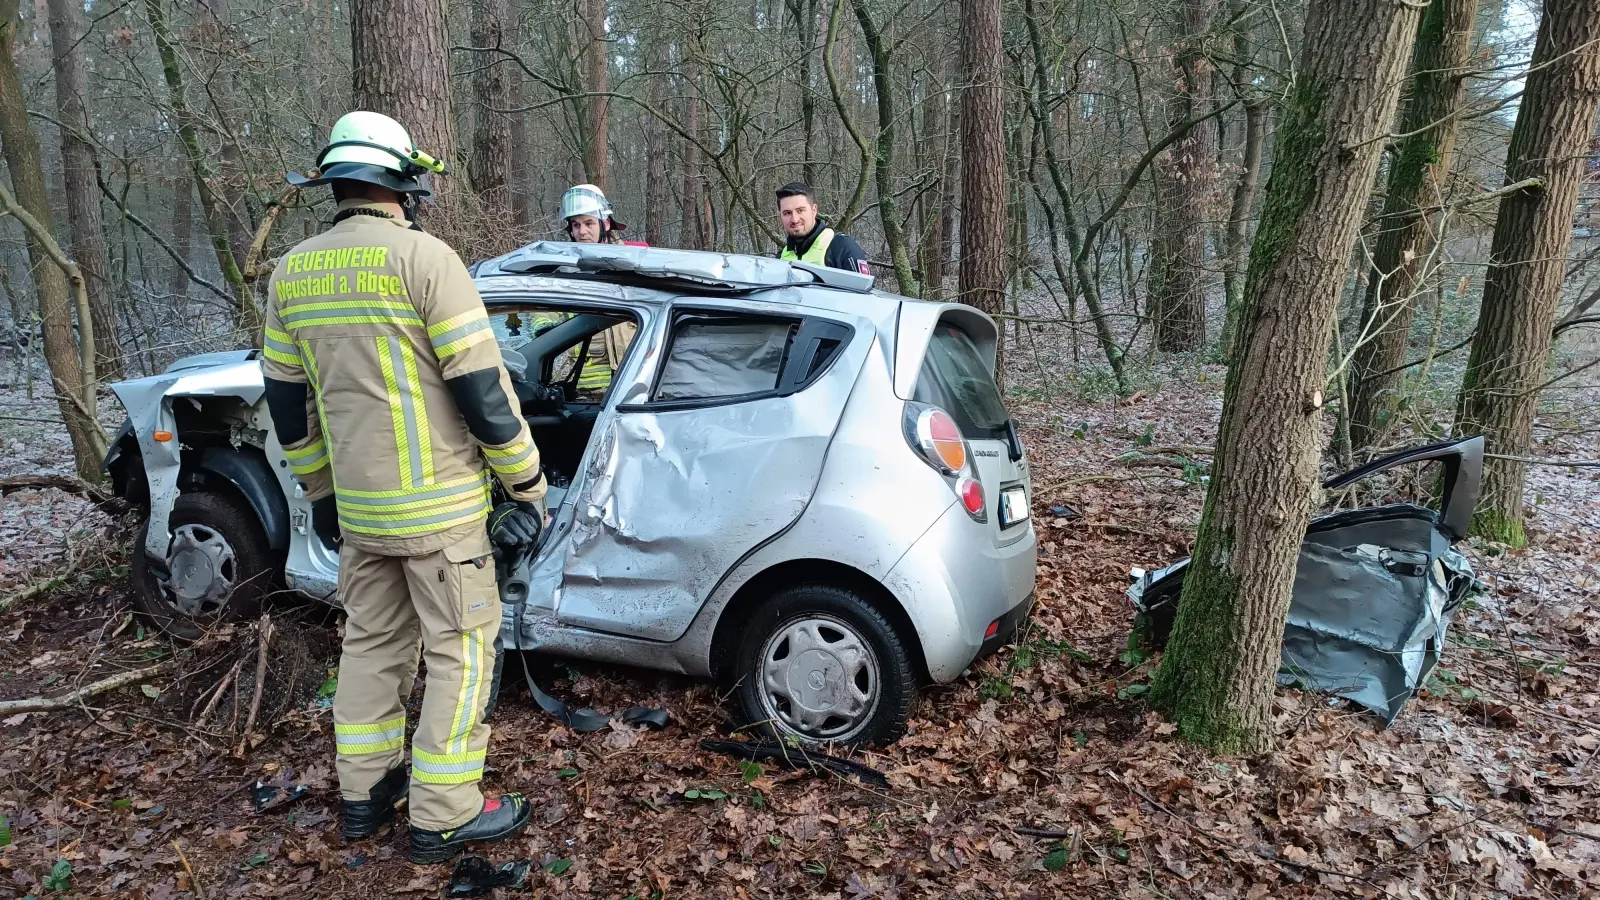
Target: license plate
1013	506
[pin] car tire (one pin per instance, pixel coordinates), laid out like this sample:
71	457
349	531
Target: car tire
225	536
808	656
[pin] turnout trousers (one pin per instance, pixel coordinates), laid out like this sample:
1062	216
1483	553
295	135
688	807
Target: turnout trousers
446	604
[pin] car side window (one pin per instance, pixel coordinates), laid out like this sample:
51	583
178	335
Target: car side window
723	357
717	357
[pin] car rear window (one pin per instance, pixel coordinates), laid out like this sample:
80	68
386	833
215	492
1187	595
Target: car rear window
955	378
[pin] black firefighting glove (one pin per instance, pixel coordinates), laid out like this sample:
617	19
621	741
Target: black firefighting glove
325	521
516	525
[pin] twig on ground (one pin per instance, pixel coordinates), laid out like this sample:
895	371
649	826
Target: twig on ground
194	880
216	696
66	701
98	496
1054	834
34	590
265	636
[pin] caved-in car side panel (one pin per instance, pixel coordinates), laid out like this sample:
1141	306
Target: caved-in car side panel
674	498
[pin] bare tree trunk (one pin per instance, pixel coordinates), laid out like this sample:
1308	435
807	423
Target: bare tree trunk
182	235
247	317
492	146
804	13
522	214
596	59
1185	188
983	155
400	54
1244	198
83	194
1217	676
74	393
1077	242
655	186
1550	141
231	187
883	157
693	228
1407	234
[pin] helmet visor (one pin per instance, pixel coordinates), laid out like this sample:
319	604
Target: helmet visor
366	173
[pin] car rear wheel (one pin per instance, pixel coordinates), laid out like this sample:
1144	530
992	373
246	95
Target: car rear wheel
820	664
221	569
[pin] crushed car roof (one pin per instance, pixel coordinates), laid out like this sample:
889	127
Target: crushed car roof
734	273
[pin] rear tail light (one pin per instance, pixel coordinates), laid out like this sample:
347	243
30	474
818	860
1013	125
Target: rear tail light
971	495
934	435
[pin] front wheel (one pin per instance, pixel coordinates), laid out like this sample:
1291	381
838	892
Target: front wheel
220	567
818	663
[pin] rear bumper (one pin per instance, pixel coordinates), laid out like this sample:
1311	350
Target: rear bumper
954	582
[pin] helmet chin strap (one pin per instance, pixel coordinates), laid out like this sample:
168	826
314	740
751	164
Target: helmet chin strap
408	206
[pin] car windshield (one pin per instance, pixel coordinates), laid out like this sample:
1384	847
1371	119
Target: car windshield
955	379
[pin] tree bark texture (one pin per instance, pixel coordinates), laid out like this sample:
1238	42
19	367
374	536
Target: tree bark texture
596	61
214	29
1217	676
982	274
492	145
182	236
883	152
1185	190
1407	233
400	54
247	317
522	211
83	194
1551	141
1236	243
693	230
61	351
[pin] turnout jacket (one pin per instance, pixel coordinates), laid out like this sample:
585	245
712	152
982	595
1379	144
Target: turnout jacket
387	388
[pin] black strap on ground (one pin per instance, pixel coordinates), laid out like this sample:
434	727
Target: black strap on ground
796	758
582	720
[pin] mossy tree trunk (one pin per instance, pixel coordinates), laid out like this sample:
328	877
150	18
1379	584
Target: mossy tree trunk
1550	141
247	316
83	194
66	360
879	49
1408	231
1217	677
1236	243
1185	193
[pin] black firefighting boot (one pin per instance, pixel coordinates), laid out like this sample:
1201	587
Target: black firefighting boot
363	818
499	820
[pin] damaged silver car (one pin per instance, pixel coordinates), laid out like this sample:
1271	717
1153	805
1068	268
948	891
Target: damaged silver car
1374	591
805	488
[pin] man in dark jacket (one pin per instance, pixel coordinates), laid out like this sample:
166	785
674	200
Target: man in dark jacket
809	239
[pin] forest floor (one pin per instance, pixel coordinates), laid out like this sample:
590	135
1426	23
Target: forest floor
1486	786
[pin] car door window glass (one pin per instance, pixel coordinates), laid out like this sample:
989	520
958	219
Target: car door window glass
724	357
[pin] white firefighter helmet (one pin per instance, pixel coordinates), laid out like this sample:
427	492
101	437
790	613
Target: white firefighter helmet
589	200
371	147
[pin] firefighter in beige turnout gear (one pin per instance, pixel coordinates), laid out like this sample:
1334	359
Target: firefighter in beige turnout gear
389	397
